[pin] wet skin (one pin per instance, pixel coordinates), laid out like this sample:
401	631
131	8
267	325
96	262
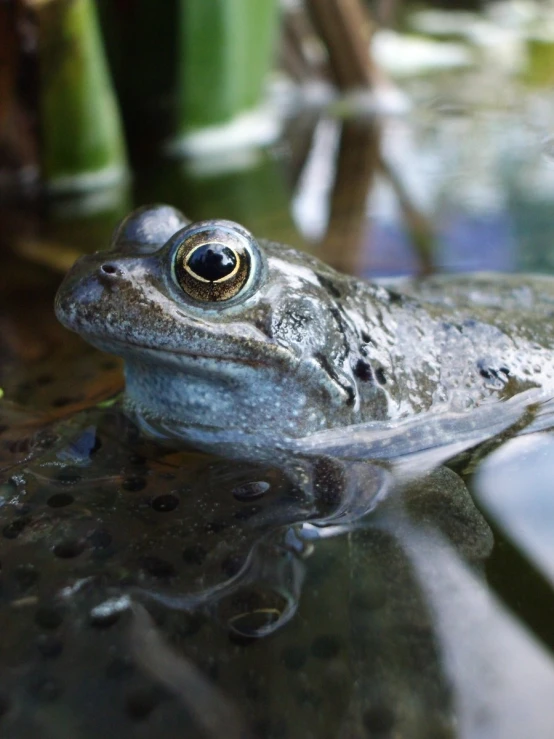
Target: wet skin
221	331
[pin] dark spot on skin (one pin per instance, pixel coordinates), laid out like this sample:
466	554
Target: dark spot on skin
331	287
363	371
337	315
329	369
447	326
344	334
380	376
395	297
490	373
469	323
366	338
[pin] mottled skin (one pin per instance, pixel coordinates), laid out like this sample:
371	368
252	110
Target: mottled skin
306	348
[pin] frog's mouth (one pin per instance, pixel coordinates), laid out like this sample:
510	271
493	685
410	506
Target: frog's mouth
171	343
191	358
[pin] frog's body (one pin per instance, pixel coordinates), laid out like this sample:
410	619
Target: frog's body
300	348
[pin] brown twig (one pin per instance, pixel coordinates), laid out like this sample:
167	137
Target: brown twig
17	147
345	28
417	225
293	54
357	162
385	11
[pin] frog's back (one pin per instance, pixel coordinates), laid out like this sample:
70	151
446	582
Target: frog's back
528	295
459	339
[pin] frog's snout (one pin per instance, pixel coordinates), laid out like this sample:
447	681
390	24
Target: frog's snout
83	288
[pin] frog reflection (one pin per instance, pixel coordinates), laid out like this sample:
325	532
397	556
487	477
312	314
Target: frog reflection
225	335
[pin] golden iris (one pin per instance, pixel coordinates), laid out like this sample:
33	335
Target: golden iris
212	269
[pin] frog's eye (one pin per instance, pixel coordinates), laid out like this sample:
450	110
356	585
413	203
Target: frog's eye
215	261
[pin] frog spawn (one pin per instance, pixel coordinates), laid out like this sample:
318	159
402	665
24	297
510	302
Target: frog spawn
103	522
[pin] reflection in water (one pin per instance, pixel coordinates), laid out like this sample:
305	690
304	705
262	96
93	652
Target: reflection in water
211	710
356	164
501	677
502	486
177	590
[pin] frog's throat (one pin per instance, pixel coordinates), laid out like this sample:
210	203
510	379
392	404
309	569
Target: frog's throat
252	399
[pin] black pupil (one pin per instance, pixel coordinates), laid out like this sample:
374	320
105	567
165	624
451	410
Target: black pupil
212	261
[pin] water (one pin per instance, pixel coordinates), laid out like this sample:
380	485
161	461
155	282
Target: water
150	592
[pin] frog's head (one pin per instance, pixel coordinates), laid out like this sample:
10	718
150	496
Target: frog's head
215	328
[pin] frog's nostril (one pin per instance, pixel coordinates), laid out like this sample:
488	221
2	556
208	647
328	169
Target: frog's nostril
109	269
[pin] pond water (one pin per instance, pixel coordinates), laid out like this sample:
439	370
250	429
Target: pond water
149	591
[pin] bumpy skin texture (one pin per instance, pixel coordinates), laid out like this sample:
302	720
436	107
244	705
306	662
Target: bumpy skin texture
305	348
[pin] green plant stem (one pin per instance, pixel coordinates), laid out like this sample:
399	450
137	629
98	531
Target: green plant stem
226	51
82	140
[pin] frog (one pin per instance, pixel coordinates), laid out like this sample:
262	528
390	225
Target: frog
229	340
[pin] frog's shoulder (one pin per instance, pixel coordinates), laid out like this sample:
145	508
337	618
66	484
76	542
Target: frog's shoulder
337	285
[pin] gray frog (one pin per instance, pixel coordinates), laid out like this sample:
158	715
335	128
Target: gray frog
228	340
